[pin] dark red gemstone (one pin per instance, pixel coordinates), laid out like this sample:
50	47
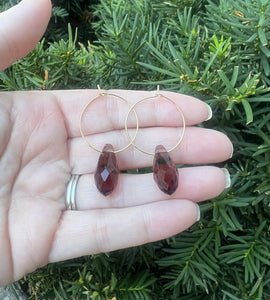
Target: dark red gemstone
106	175
165	172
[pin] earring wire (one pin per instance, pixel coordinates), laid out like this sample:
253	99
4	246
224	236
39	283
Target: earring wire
158	94
102	94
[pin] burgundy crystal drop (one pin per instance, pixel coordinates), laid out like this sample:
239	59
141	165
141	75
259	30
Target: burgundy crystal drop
164	170
106	175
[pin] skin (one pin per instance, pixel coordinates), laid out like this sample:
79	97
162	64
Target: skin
41	146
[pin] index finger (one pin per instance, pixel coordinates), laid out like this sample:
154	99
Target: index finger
108	113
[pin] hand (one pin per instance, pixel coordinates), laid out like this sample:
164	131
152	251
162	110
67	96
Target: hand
41	146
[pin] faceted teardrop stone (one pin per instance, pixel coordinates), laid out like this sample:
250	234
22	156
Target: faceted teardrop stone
106	175
164	170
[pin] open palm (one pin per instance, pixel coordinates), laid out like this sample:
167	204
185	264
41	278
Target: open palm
41	146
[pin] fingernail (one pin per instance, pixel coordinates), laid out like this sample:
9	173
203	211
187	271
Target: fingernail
210	113
198	213
232	152
227	177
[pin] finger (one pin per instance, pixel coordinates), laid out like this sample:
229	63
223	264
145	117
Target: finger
88	232
199	146
21	28
108	113
196	184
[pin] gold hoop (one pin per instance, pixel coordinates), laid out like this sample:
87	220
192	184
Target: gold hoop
90	102
144	99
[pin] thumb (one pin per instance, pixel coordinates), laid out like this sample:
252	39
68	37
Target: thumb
21	28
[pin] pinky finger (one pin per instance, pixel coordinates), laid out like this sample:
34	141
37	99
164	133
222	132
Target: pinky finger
90	232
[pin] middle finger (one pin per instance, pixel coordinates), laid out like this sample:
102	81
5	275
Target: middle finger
199	146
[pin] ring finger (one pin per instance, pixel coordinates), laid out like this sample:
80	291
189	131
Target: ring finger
195	183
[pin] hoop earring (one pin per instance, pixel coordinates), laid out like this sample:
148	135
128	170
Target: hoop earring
165	172
107	171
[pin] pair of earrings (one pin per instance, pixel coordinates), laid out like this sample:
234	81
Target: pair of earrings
165	172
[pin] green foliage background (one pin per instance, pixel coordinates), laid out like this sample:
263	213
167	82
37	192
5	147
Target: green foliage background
217	50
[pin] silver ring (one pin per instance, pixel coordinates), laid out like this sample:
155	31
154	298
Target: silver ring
71	192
